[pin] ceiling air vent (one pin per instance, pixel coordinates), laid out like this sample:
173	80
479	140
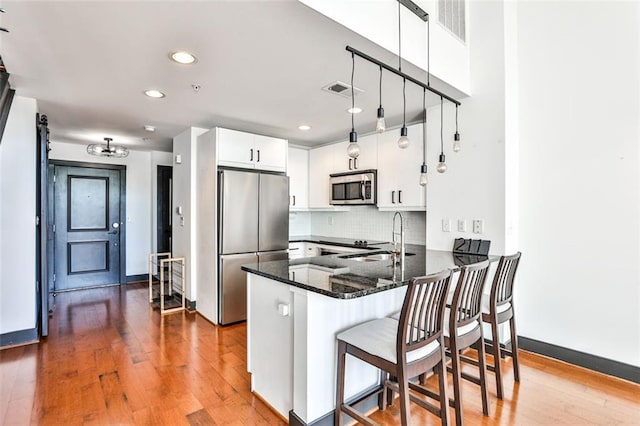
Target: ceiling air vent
342	89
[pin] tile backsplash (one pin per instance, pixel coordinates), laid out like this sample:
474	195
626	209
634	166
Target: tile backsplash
360	222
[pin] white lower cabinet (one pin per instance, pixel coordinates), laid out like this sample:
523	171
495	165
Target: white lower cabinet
399	171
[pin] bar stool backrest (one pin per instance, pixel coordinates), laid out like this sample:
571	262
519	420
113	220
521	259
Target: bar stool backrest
422	315
466	305
502	287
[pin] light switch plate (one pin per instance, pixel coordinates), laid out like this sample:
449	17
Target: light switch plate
462	225
478	226
446	225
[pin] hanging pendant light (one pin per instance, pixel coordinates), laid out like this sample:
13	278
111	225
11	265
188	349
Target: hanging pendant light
106	150
423	167
380	124
456	136
403	142
442	165
353	150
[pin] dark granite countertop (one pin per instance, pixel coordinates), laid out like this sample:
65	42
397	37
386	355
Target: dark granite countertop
334	241
342	277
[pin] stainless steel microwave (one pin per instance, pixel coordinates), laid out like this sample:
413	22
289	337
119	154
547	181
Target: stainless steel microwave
354	188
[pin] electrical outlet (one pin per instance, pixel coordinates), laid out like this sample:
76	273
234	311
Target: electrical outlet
446	225
478	226
462	225
181	220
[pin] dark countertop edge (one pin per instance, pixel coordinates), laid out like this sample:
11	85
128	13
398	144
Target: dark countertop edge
342	296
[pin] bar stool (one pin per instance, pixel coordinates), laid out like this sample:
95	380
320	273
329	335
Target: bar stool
498	309
402	348
463	329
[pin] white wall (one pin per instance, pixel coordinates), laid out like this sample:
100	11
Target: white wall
579	115
473	186
17	218
141	209
377	20
184	226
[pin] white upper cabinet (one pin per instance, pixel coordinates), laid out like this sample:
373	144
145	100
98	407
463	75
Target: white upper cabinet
368	158
246	150
298	172
320	166
399	171
271	153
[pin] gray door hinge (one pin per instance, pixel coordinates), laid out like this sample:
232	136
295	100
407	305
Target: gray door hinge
37	220
54	178
54	277
54	227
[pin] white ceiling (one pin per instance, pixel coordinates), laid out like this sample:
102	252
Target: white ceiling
261	65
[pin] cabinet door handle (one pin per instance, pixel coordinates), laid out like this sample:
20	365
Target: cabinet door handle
350	162
251	159
258	156
355	163
393	197
294	200
400	196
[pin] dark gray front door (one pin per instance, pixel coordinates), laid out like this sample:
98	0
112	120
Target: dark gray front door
87	227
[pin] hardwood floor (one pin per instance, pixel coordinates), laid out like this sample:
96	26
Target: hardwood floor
111	359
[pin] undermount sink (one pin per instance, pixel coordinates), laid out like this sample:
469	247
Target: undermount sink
375	256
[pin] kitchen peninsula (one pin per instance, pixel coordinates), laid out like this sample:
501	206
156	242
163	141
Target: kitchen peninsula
296	308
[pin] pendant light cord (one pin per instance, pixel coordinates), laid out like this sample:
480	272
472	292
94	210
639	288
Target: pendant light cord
424	125
399	40
441	124
428	50
456	118
380	89
404	102
353	69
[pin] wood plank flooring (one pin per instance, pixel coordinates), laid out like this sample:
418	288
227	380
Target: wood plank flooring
111	359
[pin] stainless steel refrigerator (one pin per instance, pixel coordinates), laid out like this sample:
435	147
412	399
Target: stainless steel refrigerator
253	227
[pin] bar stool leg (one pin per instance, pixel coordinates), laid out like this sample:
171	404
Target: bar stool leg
495	337
514	349
483	375
403	385
441	371
382	403
342	354
457	380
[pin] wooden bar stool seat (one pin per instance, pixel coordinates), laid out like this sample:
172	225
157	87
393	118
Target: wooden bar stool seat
402	349
498	309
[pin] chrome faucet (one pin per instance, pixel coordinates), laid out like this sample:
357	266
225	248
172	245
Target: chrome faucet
394	234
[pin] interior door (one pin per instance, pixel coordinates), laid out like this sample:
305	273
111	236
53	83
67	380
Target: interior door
164	203
87	227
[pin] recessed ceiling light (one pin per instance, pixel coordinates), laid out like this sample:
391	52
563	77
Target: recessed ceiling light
154	93
355	110
149	128
182	57
304	127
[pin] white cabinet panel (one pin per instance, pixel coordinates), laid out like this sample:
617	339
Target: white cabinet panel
270	153
320	166
298	172
399	171
368	158
249	151
235	149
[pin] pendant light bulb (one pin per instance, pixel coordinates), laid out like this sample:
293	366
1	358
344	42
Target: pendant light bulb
380	124
403	141
442	165
353	150
423	174
456	142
